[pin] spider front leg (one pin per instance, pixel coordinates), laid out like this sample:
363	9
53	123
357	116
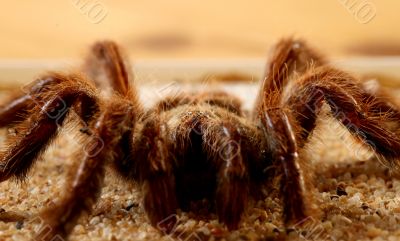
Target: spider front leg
86	179
112	135
367	118
289	57
281	142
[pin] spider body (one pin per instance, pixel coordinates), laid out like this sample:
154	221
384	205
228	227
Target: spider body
193	145
208	139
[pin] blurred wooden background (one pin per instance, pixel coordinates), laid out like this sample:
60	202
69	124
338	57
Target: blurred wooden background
49	29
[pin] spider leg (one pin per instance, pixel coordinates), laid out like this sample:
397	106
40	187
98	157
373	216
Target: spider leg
13	111
33	135
19	104
382	103
223	143
278	130
84	188
289	57
367	118
105	56
110	141
106	60
156	179
155	168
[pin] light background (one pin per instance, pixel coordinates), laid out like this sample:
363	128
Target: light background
51	29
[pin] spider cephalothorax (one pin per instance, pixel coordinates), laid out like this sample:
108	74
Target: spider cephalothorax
196	145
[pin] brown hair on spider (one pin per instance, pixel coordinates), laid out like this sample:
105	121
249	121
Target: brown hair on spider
196	145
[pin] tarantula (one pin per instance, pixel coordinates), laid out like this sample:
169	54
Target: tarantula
192	145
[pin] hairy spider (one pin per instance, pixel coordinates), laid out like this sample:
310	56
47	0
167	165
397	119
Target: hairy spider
197	145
